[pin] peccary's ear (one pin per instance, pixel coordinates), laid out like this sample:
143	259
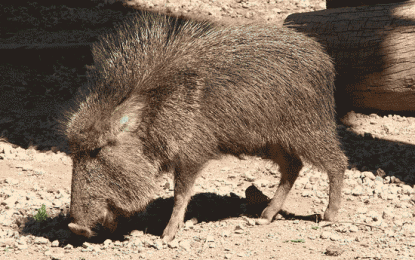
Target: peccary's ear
127	115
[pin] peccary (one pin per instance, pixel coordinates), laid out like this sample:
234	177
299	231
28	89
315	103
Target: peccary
168	94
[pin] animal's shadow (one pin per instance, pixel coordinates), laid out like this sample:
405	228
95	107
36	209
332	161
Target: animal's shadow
203	207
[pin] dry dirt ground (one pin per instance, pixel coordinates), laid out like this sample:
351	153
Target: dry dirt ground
376	219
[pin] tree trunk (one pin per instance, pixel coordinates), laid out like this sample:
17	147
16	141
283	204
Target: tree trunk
374	51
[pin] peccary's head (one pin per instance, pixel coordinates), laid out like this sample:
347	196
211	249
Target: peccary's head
111	175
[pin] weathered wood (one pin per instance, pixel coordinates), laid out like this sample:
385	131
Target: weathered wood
354	3
374	51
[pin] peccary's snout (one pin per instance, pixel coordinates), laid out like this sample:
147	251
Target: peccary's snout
84	227
80	230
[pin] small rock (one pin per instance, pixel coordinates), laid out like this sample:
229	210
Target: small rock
135	241
380	188
188	224
69	246
394	189
239	229
261	183
173	244
22	246
347	191
38	171
10	201
381	173
87	245
158	244
215	12
335	237
57	203
6	217
276	10
304	3
408	190
54	255
210	238
325	235
7	242
134	233
357	191
249	221
22	241
226	233
391	196
361	210
249	14
405	199
353	228
55	243
374	215
248	177
11	181
320	194
27	168
307	193
398	222
41	240
185	244
57	255
387	213
369	175
334	250
5	148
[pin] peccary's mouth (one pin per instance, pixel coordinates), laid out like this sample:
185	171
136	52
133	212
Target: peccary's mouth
107	221
80	230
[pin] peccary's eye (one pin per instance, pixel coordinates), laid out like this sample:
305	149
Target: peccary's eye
94	152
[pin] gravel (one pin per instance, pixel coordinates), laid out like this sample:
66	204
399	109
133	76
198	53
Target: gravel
376	220
19	207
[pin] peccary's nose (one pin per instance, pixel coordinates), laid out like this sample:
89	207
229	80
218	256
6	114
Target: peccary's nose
80	230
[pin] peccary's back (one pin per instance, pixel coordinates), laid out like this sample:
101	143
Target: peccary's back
238	88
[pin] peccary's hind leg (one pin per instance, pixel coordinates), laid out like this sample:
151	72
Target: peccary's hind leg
290	166
336	175
183	187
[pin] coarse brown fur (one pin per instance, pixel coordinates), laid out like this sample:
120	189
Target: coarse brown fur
166	93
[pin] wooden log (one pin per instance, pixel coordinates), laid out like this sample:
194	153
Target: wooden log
354	3
374	51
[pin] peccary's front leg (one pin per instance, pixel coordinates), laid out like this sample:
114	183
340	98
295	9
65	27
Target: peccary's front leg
183	189
290	166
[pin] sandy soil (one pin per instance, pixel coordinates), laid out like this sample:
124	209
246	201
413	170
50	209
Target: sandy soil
35	169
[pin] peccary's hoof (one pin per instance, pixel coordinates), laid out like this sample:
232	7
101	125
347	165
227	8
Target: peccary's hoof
167	238
330	215
262	221
170	232
79	230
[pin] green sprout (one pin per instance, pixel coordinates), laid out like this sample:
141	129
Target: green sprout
41	214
